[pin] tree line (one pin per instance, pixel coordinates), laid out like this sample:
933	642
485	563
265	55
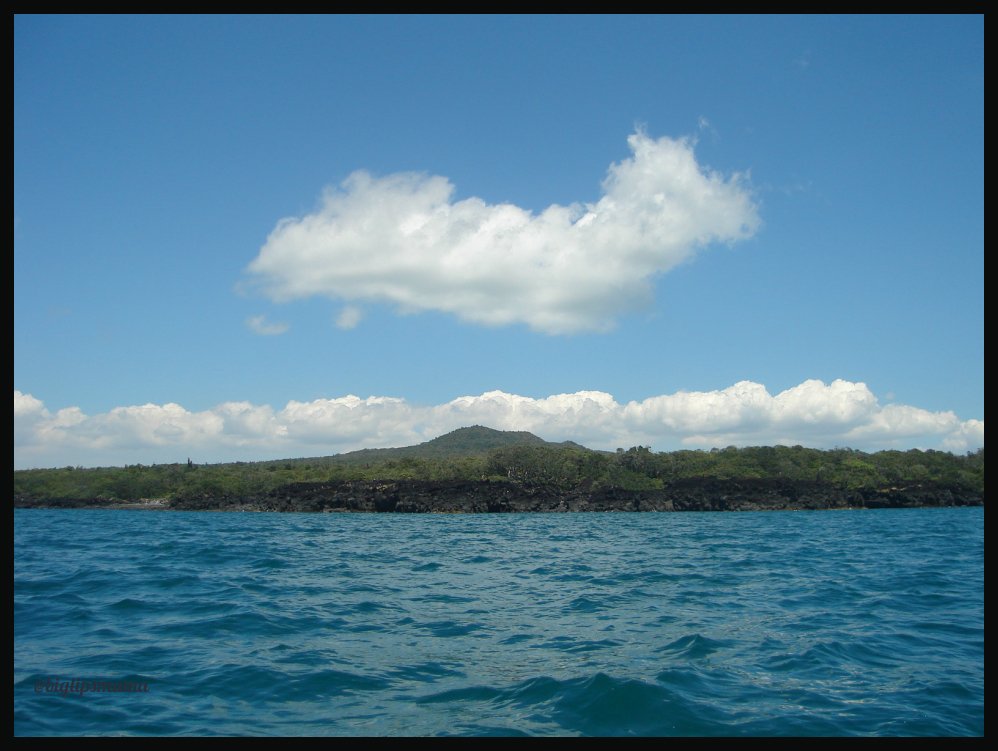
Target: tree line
558	466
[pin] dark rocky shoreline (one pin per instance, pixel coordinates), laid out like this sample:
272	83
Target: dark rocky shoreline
427	496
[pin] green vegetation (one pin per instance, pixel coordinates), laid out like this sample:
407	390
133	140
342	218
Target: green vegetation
479	453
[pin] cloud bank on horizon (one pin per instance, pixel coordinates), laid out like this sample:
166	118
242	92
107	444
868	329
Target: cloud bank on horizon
403	240
813	414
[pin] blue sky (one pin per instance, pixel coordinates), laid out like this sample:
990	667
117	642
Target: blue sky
241	238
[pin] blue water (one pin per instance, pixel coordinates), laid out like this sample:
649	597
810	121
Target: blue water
771	623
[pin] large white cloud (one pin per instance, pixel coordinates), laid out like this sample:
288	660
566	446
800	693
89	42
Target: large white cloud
402	239
813	413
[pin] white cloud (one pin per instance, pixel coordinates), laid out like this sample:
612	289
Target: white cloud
26	406
401	239
349	317
813	413
259	325
968	435
30	418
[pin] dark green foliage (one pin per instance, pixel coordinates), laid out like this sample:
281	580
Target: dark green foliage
477	453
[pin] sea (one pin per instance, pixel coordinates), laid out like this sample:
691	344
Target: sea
820	623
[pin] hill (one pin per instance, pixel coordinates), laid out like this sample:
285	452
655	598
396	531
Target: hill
476	440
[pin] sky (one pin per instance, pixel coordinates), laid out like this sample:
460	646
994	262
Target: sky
240	238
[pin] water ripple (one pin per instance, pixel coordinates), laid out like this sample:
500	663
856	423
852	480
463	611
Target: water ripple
774	624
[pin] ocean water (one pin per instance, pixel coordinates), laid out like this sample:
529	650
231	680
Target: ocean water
673	624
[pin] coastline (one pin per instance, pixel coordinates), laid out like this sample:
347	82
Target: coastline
428	496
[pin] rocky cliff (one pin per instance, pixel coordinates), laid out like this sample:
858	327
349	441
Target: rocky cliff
419	496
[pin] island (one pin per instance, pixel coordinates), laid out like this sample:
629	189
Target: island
482	470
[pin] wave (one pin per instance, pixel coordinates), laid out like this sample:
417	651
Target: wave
774	624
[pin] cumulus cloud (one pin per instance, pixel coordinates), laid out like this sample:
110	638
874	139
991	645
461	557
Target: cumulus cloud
404	240
814	413
259	325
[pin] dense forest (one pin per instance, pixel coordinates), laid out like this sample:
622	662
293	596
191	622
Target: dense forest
506	460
